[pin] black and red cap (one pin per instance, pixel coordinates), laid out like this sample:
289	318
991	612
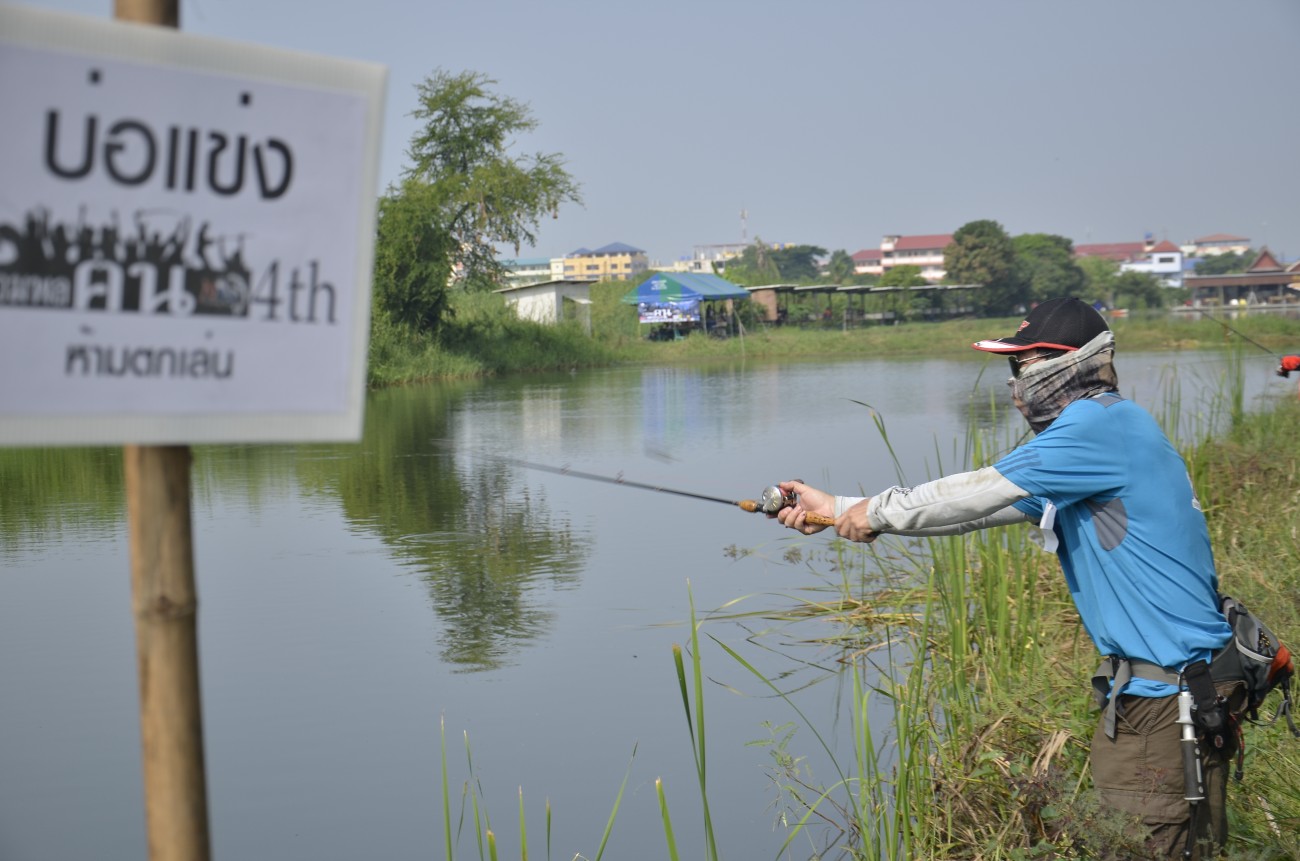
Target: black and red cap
1057	324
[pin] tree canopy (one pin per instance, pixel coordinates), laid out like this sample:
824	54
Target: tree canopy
840	268
906	275
761	263
1224	264
1045	265
981	252
798	262
464	194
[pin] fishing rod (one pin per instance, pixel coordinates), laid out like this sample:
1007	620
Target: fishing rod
1238	334
771	501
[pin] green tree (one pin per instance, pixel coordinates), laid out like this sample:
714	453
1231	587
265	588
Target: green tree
1224	264
840	268
798	262
1100	275
413	258
754	266
981	253
902	302
464	194
906	275
1139	290
1045	264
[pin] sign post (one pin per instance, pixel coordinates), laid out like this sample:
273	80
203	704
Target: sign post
165	602
186	240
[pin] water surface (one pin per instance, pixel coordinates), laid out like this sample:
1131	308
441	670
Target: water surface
356	598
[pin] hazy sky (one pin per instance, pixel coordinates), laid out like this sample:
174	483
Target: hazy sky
834	123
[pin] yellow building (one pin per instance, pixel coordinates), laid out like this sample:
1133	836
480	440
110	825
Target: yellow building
614	262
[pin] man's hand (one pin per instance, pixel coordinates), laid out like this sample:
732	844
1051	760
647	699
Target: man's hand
807	499
852	524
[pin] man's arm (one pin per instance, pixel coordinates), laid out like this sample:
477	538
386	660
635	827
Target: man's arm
951	505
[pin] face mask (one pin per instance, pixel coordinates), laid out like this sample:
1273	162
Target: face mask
1045	388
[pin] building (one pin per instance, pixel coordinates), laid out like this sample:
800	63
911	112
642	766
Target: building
550	301
530	270
1120	252
1216	243
614	262
1162	260
923	252
868	261
1266	282
706	259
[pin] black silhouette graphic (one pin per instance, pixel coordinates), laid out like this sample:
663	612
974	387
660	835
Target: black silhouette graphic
161	266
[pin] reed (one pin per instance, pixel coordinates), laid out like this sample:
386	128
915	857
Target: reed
695	727
474	816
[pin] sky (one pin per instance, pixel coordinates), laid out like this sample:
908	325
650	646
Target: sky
835	123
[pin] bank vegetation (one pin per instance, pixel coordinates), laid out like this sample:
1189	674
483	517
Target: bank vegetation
483	337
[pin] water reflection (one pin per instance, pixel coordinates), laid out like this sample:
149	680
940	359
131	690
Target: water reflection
484	546
53	494
487	546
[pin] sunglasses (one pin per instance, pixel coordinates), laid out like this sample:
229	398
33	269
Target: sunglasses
1018	362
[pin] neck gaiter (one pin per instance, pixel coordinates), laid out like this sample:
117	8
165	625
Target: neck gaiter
1045	388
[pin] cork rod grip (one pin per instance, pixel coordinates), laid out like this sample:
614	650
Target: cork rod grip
814	519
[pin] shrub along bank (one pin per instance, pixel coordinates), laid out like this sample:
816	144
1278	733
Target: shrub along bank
483	337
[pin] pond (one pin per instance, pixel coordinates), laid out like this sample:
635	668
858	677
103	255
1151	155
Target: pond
357	599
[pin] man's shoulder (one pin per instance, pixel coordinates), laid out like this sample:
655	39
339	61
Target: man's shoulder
1091	415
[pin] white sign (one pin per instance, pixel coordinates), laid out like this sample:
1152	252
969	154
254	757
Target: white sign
186	236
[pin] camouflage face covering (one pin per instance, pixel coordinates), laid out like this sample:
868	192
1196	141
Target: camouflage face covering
1045	388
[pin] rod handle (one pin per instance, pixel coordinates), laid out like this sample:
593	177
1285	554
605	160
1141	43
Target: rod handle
814	519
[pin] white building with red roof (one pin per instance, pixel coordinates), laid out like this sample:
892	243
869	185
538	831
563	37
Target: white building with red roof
924	252
1164	261
1217	243
867	261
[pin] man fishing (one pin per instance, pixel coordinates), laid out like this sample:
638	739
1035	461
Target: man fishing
1113	499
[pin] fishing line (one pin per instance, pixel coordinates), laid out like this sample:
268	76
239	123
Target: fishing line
1238	334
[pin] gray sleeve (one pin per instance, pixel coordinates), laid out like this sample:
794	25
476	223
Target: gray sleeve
950	505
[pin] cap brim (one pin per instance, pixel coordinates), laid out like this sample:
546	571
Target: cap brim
1016	345
1003	345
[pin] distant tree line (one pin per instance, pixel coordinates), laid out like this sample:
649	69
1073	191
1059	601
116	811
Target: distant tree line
466	193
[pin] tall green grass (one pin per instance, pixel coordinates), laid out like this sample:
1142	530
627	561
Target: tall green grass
473	824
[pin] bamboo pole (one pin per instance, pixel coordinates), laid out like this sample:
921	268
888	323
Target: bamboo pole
165	13
165	604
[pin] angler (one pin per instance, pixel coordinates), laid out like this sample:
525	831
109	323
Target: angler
1112	498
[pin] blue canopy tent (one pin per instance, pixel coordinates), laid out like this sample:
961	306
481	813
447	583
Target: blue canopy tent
675	297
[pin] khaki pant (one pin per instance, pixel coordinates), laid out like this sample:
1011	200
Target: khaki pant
1140	772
